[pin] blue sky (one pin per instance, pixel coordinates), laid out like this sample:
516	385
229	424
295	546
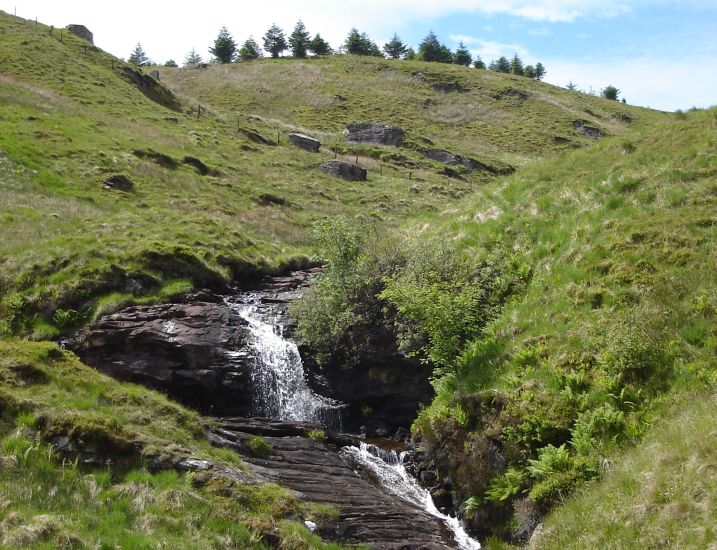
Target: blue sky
661	54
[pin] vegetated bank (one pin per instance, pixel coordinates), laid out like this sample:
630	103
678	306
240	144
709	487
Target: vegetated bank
564	309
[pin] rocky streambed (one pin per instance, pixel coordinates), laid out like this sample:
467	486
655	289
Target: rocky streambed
231	357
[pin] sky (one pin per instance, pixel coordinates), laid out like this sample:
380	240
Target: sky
659	53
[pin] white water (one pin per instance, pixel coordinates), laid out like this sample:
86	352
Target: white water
388	468
279	386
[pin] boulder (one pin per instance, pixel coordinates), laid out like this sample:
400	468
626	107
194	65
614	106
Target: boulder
119	182
82	32
446	157
305	142
154	73
195	351
588	131
152	88
370	132
350	172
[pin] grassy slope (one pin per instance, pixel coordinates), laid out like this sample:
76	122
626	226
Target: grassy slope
47	501
619	320
70	120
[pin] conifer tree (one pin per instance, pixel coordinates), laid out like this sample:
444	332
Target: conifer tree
529	71
299	40
478	63
138	56
171	63
430	49
502	65
224	49
275	41
462	55
516	65
395	48
358	43
319	46
539	71
249	50
610	92
192	59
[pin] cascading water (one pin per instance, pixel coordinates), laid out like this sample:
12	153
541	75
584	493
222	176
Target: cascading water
279	386
388	469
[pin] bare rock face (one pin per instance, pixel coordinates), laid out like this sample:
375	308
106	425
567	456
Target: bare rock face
81	31
446	157
152	88
195	351
339	169
370	132
588	131
317	472
305	142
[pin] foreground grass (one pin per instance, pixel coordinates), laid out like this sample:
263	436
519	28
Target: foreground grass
662	493
119	486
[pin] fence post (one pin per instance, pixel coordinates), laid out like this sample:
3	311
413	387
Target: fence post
278	136
199	111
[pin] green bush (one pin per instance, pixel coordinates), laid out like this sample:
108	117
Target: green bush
259	447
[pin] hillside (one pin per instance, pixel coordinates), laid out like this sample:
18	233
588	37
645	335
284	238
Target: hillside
558	277
71	120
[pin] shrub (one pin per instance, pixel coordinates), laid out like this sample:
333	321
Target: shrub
259	447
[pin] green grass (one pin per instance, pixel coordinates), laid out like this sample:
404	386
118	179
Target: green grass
661	493
51	499
70	120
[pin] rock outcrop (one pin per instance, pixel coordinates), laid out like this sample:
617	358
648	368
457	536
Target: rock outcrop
119	182
194	350
315	470
370	132
588	131
82	32
344	170
305	142
446	157
152	88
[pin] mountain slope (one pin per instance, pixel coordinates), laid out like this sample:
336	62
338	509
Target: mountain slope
209	203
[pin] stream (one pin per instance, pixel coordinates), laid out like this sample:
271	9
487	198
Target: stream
281	392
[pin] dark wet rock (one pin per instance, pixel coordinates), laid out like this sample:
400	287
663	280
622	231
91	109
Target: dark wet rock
315	471
195	351
383	389
154	73
588	131
446	157
344	170
526	518
370	132
82	32
152	88
451	173
305	142
119	182
267	199
160	158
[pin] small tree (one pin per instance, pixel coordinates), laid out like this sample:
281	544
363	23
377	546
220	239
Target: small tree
192	59
275	41
572	86
516	65
529	71
171	63
410	54
224	49
359	43
610	92
319	46
502	65
299	40
539	71
395	48
478	63
249	50
138	56
462	56
430	49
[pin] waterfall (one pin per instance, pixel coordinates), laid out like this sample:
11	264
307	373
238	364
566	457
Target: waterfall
388	469
278	381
